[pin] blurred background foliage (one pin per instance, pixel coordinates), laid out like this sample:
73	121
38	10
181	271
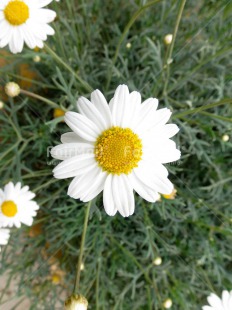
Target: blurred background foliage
191	233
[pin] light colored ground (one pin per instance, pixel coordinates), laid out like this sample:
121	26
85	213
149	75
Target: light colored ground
10	299
10	296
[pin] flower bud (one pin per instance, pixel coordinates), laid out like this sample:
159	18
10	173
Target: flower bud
157	261
168	39
1	105
37	58
82	266
12	89
76	302
58	113
167	303
225	138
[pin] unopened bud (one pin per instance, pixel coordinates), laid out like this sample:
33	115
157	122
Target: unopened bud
76	302
167	304
82	266
58	113
1	105
225	138
168	39
12	89
157	261
37	58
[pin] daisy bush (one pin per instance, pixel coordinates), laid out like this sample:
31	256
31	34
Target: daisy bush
115	154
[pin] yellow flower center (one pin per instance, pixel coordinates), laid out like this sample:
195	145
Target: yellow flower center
9	208
118	150
16	12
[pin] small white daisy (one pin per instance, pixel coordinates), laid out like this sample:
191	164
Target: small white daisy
116	148
219	304
17	206
4	236
24	21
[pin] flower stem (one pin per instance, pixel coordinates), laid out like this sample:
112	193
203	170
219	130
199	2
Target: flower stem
122	37
202	108
170	50
66	66
30	94
78	271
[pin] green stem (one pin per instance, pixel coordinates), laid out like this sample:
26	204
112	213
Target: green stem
180	82
202	108
97	284
122	37
78	272
132	257
222	118
170	50
66	66
30	94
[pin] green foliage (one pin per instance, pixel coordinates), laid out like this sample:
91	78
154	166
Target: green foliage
192	233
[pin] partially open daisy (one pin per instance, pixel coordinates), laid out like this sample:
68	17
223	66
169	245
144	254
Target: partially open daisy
4	236
17	206
219	304
24	21
116	148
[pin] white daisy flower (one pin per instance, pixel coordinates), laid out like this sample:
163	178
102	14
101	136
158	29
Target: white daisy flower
116	148
24	21
4	236
17	206
219	304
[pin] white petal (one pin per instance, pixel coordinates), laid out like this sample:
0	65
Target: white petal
68	150
146	116
82	126
7	38
9	190
100	103
88	186
18	186
168	130
28	36
5	28
142	189
96	188
42	3
162	150
123	195
215	302
71	137
88	109
121	99
134	108
153	178
48	30
27	220
44	16
74	166
226	300
108	199
161	117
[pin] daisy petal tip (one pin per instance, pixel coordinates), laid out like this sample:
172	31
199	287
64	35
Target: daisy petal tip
170	190
111	214
96	92
122	87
